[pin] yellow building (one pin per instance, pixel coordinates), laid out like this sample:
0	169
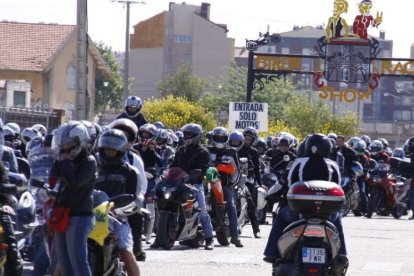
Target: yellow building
38	67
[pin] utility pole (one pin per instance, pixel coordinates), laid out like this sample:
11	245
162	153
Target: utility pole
126	60
82	97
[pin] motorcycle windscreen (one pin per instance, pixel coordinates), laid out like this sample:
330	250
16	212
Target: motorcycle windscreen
101	229
41	165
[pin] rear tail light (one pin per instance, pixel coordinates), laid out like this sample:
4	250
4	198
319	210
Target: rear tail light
313	270
3	246
315	231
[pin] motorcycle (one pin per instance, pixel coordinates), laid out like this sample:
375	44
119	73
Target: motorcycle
154	178
25	206
6	190
103	253
216	206
310	245
178	209
352	192
387	193
242	192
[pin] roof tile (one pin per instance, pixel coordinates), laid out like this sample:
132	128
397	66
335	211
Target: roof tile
30	46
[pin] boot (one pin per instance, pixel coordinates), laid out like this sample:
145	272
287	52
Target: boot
236	241
209	244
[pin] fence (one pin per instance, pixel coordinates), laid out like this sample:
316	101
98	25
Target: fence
27	117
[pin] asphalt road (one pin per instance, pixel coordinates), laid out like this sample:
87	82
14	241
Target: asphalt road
380	246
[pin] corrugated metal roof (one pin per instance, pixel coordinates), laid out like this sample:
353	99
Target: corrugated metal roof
30	46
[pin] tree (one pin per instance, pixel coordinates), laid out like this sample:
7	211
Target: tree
109	90
311	115
175	112
276	93
183	84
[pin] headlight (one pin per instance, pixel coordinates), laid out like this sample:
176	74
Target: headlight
167	195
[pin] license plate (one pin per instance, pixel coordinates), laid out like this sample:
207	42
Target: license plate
313	255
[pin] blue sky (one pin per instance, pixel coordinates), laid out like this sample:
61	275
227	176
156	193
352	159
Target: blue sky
244	18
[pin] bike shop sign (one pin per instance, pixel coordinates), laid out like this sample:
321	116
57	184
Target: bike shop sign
242	115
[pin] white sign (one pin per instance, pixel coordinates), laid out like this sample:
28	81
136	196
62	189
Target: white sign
242	115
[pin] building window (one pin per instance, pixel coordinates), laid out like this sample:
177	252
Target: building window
402	115
285	50
19	98
71	78
182	38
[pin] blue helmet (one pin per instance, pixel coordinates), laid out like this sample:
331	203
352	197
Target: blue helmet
236	139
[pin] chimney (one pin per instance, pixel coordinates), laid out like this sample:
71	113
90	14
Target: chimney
382	34
205	11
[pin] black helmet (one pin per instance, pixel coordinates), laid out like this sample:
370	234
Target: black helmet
219	137
113	139
261	143
126	125
318	145
191	133
252	132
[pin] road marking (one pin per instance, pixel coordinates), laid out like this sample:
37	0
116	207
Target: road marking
383	267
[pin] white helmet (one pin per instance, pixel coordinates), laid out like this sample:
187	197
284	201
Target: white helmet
28	134
41	128
261	198
73	134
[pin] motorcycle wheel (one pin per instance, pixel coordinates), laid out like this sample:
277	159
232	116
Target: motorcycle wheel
398	211
166	236
373	202
346	207
223	235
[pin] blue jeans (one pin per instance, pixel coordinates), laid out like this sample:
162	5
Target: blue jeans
72	247
285	217
204	216
229	197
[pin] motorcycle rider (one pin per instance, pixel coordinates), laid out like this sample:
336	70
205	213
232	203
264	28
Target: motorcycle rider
130	130
312	165
377	153
278	162
221	152
236	141
14	263
191	157
407	168
363	158
116	177
249	152
165	151
386	147
348	153
133	106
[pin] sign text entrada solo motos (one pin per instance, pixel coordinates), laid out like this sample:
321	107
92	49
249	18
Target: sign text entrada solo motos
242	115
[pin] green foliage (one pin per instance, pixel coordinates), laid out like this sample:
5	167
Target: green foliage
175	112
277	94
111	95
276	126
309	114
183	84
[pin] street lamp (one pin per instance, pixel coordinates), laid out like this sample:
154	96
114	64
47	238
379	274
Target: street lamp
390	95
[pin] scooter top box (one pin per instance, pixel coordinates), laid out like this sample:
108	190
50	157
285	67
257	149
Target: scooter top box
315	197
